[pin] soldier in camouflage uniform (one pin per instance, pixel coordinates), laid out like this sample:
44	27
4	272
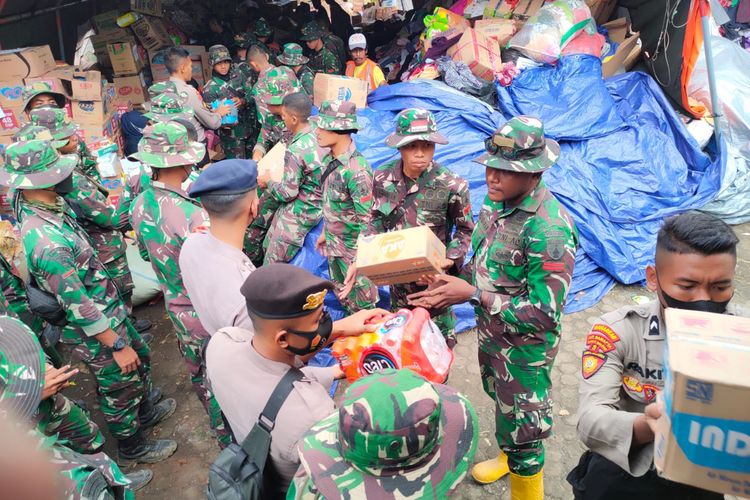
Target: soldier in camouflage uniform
269	94
425	441
223	86
240	67
264	34
347	201
64	264
518	279
163	216
292	57
322	59
40	95
23	385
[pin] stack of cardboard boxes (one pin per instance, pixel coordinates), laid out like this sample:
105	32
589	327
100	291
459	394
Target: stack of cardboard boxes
129	72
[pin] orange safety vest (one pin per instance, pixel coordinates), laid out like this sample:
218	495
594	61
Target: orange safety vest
369	75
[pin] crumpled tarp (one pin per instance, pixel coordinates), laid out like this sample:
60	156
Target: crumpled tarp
627	161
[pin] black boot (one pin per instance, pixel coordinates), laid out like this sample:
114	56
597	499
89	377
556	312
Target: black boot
141	325
150	414
147	338
155	395
137	448
139	479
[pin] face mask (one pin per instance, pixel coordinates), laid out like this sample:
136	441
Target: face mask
65	187
319	336
696	305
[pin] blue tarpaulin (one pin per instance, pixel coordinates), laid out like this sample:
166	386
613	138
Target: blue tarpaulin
627	161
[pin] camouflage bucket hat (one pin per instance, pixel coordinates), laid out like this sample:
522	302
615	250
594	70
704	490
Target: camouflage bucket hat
162	87
30	132
21	369
292	55
36	88
277	88
337	115
394	432
414	125
168	106
217	54
56	121
311	31
35	164
261	28
244	40
520	146
167	144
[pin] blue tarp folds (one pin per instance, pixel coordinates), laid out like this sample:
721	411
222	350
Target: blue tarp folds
627	161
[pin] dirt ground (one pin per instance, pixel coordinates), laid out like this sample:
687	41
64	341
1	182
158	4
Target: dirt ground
184	474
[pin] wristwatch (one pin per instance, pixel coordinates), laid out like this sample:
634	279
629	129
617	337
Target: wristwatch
476	298
119	344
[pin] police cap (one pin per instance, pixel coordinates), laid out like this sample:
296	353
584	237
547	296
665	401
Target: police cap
226	177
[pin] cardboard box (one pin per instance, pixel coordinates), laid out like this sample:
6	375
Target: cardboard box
18	64
152	34
400	256
499	29
87	86
101	41
150	7
124	58
272	163
105	22
198	55
130	89
11	120
703	438
11	93
94	113
480	53
627	52
601	10
329	87
523	10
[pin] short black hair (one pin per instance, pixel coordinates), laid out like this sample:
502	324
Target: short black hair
299	104
256	52
173	57
350	131
697	233
222	205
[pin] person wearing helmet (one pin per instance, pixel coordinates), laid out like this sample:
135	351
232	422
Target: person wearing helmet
322	60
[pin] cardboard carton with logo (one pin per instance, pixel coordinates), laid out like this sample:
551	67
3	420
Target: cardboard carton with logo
500	29
480	53
125	58
10	120
400	256
150	7
330	87
87	86
11	93
272	163
703	437
28	62
152	34
130	89
101	41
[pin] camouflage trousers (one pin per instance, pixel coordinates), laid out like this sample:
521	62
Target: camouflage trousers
286	235
233	147
57	415
523	409
255	236
445	319
119	271
119	395
364	295
191	349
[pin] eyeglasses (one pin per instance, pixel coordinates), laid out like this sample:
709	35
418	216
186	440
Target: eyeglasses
500	145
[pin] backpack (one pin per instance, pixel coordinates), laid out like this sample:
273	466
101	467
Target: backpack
237	473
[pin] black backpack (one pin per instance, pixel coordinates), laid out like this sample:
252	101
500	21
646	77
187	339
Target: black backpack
237	473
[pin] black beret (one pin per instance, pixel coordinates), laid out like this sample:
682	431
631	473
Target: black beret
280	291
226	177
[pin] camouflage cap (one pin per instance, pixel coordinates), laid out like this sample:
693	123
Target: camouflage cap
394	432
311	31
278	86
520	146
217	54
21	369
161	87
292	55
337	115
35	164
56	120
168	106
30	132
414	125
36	88
261	28
244	40
166	145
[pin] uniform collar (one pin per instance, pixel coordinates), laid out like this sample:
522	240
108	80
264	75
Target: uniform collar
305	130
529	204
54	214
178	191
347	155
399	174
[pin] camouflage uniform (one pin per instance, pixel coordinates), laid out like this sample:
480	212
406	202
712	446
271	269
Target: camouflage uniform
523	260
61	417
323	60
63	262
347	203
163	217
14	292
413	454
442	203
36	88
233	138
262	29
336	45
292	57
273	85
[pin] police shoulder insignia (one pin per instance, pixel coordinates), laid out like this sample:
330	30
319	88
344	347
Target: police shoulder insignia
314	300
650	391
591	362
601	339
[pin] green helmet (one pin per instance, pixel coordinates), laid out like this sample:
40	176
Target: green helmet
394	432
244	40
167	144
520	146
162	87
217	54
261	28
337	115
35	164
311	31
56	120
414	125
21	369
278	86
292	55
36	88
31	132
168	106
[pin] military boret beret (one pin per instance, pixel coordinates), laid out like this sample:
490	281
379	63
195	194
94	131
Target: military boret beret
226	177
281	291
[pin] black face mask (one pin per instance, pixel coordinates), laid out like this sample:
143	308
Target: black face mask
65	187
696	305
220	76
322	333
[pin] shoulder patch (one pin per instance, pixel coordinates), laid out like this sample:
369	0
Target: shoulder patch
601	339
591	362
555	239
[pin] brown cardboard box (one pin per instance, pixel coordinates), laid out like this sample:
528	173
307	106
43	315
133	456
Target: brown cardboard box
94	113
124	58
272	164
498	28
11	120
11	93
627	52
130	89
480	53
87	85
601	10
522	12
400	256
703	436
101	41
150	7
152	34
330	87
106	22
29	62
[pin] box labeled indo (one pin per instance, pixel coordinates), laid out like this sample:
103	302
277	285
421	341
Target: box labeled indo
703	437
400	256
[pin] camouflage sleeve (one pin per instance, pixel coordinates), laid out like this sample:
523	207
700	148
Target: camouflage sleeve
288	189
92	202
360	188
379	198
331	64
208	94
307	83
267	137
551	253
142	250
54	270
459	211
302	487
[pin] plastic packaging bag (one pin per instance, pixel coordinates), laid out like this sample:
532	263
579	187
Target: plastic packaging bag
231	118
458	75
